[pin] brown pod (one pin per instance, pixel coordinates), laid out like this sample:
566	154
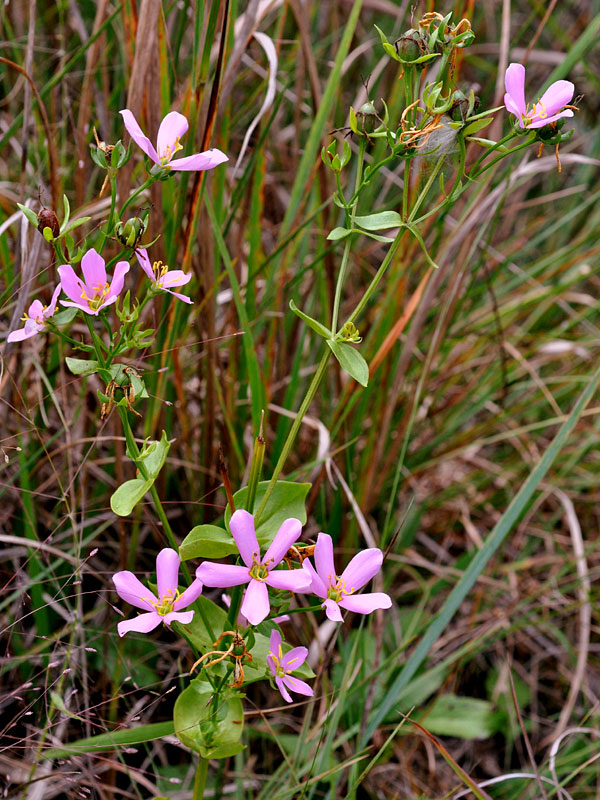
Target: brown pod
48	219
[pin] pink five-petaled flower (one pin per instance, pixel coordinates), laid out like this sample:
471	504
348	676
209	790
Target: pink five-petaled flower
164	608
94	292
257	573
339	590
282	665
162	277
171	129
35	319
548	108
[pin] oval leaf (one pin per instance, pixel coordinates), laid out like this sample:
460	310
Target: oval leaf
212	729
351	361
207	541
82	366
128	495
288	500
380	221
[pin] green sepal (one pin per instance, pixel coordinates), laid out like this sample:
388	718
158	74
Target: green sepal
31	215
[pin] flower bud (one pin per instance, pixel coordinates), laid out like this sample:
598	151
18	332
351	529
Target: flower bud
410	46
48	219
369	117
130	232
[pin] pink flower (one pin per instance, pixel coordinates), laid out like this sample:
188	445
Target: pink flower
35	319
166	607
172	128
94	292
548	107
257	573
339	590
162	277
282	665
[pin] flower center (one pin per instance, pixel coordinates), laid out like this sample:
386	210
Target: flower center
100	292
336	590
279	670
160	270
165	604
258	571
169	152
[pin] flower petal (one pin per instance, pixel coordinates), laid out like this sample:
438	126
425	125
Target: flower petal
94	270
514	82
332	610
288	533
284	692
72	285
118	281
133	591
556	97
184	617
167	573
294	659
298	686
22	333
275	642
242	530
365	603
292	580
144	261
199	161
512	107
183	297
222	575
539	123
52	307
136	133
172	128
85	308
189	595
324	559
317	586
361	569
175	277
143	623
255	606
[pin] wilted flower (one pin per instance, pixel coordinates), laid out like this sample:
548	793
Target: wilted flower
35	319
172	128
162	277
282	665
166	607
257	573
548	108
340	590
94	292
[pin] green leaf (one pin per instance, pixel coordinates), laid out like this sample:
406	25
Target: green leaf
312	323
75	224
31	215
477	125
287	500
464	717
82	366
207	541
67	213
209	727
66	316
107	741
380	221
350	361
338	233
154	455
128	495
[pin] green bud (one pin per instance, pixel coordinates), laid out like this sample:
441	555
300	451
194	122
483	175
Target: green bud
349	333
411	46
130	232
118	156
367	114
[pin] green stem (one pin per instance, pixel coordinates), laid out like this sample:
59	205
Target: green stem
503	155
486	153
96	341
312	390
200	779
423	194
148	182
113	202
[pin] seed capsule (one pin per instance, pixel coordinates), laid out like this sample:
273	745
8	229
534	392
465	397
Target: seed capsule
48	219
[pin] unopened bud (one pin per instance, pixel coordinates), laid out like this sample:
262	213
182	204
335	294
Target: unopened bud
411	46
48	219
129	233
369	117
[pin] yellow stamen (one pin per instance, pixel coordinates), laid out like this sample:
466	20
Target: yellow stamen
168	153
95	302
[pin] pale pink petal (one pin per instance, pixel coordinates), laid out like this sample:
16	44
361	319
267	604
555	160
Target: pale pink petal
271	664
539	123
142	257
143	623
199	161
332	610
22	333
275	642
72	285
94	270
282	618
298	686
189	595
52	307
136	133
292	580
183	297
184	617
175	277
288	533
172	128
255	606
324	559
556	97
167	573
294	659
317	586
284	692
514	82
222	575
242	530
36	309
512	107
118	281
361	569
133	591
365	603
85	308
